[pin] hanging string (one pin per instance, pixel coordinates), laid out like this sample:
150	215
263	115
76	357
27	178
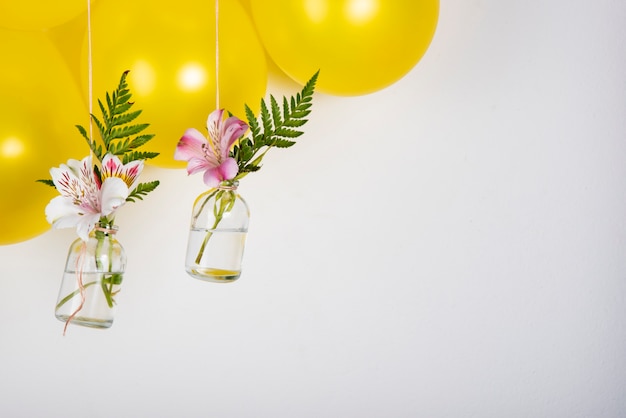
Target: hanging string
89	74
217	55
78	268
83	250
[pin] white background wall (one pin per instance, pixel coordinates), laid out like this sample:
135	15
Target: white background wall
452	246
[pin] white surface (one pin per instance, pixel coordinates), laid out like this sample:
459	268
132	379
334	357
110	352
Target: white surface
452	246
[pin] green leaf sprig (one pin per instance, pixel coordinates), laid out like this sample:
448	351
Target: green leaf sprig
277	128
119	136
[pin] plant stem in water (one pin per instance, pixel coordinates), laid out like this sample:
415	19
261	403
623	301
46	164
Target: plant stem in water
206	239
74	293
226	201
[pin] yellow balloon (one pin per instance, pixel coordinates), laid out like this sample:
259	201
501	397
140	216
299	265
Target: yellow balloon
246	5
68	39
170	52
39	107
359	46
38	14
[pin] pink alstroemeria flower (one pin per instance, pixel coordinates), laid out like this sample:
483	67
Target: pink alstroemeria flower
211	154
84	198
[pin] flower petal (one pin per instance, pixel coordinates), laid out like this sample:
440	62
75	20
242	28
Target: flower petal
111	166
85	173
66	181
129	173
225	171
86	224
61	212
196	165
191	145
228	169
132	171
214	124
113	195
212	177
232	130
80	167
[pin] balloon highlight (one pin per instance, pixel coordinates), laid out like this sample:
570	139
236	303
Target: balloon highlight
170	52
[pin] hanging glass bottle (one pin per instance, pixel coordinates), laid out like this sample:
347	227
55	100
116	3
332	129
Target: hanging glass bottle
93	274
219	226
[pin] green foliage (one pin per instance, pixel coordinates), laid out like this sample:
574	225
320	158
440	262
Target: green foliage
141	190
276	128
119	136
46	181
138	155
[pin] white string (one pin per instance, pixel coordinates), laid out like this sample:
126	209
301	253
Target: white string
217	56
80	260
89	73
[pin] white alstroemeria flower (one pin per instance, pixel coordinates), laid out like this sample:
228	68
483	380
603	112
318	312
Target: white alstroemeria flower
85	198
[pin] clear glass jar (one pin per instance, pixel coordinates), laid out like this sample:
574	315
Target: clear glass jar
217	236
93	274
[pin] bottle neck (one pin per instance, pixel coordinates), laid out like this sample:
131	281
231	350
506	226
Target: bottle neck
228	185
107	229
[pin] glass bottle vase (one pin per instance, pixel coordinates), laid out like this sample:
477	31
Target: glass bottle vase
93	274
217	236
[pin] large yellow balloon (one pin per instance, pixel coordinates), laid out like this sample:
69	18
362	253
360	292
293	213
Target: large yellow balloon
39	106
38	14
360	46
246	6
169	49
68	39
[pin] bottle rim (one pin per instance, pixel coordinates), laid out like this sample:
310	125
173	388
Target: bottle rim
228	185
106	228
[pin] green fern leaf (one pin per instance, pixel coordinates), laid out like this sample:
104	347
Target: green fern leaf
252	122
127	131
83	132
46	181
115	128
294	123
286	109
140	140
266	120
95	149
121	109
283	143
287	133
276	127
138	155
276	116
141	190
122	102
126	117
309	87
118	148
110	106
